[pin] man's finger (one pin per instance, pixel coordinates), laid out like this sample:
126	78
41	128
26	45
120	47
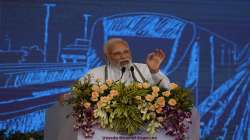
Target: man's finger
159	53
150	55
162	54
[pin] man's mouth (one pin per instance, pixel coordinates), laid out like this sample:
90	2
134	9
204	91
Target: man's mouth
124	62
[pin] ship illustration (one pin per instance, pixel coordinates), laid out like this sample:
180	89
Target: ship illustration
211	65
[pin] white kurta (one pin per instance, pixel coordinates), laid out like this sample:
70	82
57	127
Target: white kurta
115	74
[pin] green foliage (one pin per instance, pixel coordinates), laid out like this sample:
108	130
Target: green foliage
126	119
80	92
152	126
183	97
133	90
102	116
128	108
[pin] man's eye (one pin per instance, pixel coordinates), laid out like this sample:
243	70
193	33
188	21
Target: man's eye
126	52
116	54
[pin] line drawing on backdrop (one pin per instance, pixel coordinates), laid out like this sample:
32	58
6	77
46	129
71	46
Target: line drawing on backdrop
192	50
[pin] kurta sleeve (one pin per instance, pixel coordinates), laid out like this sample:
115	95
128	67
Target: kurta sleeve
160	77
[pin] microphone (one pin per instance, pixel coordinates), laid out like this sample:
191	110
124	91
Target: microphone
123	71
133	74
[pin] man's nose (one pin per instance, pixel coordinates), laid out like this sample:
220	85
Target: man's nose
123	56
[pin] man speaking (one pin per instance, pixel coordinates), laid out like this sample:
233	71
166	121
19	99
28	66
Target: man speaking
119	65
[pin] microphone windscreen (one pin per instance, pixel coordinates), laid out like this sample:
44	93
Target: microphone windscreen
132	68
123	69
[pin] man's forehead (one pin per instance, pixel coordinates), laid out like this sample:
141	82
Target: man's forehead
118	47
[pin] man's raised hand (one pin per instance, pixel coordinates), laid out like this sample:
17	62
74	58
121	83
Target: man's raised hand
155	59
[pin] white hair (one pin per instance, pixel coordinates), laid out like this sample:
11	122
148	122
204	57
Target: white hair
112	42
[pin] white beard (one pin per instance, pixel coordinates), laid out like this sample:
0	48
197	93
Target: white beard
115	73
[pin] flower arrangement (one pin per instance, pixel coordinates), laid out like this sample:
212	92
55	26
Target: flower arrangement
130	108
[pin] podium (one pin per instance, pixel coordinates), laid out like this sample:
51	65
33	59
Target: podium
58	127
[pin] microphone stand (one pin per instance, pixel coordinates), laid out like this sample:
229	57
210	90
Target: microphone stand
123	71
133	74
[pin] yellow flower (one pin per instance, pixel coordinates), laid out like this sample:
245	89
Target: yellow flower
86	105
161	101
155	89
138	97
144	110
101	104
139	85
151	107
145	85
96	88
98	80
105	99
103	87
172	86
155	94
109	82
159	110
157	105
114	93
94	99
95	94
149	98
110	97
172	102
166	93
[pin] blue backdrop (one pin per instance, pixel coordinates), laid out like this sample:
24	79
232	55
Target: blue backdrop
46	46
